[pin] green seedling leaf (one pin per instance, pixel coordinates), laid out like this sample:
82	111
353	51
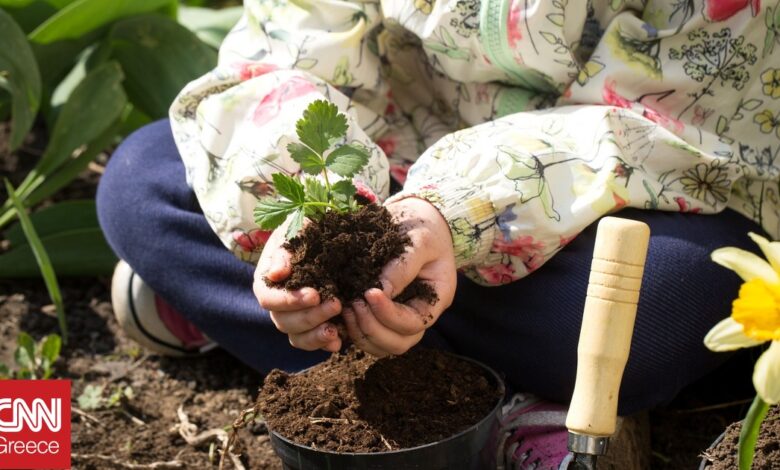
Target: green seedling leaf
316	191
83	16
19	75
344	188
289	187
296	223
271	213
347	160
25	351
50	350
749	433
309	161
5	372
321	126
91	398
42	258
158	57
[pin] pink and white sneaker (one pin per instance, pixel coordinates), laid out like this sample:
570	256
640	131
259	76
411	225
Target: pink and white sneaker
150	321
532	435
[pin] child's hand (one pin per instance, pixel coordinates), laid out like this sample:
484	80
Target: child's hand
380	326
300	313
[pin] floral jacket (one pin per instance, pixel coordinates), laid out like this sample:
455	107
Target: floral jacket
522	121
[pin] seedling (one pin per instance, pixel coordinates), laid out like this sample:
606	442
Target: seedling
321	132
92	398
33	360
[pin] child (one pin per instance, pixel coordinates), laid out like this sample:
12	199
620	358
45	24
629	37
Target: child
526	122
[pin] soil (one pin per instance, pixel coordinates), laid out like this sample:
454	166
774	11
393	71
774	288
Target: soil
723	455
356	403
342	256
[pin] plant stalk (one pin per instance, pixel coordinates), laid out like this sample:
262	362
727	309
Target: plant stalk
749	433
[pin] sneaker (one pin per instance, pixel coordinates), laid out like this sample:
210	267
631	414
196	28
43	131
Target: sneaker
533	435
150	321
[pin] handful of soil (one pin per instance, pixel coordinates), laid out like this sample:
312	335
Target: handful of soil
354	402
343	255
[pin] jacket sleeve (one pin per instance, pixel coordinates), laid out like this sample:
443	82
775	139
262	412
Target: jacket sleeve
233	125
672	111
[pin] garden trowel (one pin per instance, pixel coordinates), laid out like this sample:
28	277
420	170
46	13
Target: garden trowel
605	338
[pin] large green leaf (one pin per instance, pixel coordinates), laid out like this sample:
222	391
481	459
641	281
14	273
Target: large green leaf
92	107
159	57
28	15
83	16
45	187
91	58
211	26
20	77
61	217
74	253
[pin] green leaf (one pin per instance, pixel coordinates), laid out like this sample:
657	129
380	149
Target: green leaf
211	26
42	188
345	188
5	372
50	347
159	57
25	351
288	187
310	162
19	75
315	191
749	433
83	16
321	126
271	213
42	259
30	15
347	160
14	3
89	59
60	217
295	224
92	108
91	398
75	253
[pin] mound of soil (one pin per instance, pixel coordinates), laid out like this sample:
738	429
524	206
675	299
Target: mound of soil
723	455
354	402
343	254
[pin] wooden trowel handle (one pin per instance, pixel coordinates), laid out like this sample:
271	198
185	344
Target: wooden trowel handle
607	324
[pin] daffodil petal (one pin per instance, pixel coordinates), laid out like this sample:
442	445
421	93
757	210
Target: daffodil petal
771	250
728	335
747	265
766	375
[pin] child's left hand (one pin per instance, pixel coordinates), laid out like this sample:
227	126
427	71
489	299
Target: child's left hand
380	326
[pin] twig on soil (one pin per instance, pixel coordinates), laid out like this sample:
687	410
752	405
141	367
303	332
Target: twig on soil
173	464
389	447
247	415
314	420
715	407
84	414
189	432
96	167
137	421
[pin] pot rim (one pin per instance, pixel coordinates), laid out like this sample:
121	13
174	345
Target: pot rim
488	416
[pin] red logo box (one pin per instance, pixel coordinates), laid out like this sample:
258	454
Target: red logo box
34	424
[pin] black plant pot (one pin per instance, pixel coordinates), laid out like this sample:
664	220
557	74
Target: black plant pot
705	462
473	448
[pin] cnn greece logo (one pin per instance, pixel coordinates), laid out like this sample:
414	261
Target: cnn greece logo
34	424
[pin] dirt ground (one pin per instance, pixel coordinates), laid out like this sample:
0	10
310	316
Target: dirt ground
175	401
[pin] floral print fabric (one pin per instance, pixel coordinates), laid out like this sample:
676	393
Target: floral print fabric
522	121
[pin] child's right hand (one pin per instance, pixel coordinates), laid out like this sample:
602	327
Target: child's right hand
299	313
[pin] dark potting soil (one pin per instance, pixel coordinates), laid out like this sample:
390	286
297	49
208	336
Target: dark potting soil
343	254
767	457
354	402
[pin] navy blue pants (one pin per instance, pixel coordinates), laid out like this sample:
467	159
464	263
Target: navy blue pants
527	330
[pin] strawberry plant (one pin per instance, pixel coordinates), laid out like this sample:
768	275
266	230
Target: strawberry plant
321	132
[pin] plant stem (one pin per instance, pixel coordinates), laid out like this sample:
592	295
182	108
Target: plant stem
749	433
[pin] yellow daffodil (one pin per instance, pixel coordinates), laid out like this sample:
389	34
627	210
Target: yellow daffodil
755	316
771	81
